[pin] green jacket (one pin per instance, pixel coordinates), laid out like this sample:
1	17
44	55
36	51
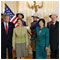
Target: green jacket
20	36
42	36
41	42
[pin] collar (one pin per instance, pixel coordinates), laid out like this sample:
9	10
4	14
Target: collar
5	24
54	23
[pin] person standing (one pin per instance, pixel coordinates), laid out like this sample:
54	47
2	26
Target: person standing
54	36
6	37
21	16
34	24
20	40
42	42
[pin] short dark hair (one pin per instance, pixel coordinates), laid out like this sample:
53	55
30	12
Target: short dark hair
5	16
42	21
51	15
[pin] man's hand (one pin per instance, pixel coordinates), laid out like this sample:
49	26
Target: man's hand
13	48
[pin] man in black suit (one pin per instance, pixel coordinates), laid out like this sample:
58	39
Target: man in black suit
54	36
6	37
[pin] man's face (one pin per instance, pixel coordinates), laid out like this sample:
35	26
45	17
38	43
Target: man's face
53	18
19	16
7	19
20	22
34	18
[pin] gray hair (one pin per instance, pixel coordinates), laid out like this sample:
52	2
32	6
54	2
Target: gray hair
5	16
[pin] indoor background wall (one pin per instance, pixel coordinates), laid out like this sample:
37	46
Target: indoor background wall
22	6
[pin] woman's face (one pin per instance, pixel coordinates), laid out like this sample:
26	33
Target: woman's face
41	23
20	22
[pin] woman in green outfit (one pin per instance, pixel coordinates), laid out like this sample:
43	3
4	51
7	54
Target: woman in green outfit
20	40
42	42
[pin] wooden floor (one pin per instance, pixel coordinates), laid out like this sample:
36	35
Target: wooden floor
28	57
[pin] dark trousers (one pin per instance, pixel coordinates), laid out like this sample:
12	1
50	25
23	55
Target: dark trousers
55	54
34	54
3	51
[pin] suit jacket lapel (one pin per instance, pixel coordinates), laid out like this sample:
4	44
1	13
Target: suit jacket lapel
4	27
53	26
8	27
56	25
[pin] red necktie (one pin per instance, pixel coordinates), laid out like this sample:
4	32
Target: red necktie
6	29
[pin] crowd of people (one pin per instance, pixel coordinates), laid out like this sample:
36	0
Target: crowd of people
42	37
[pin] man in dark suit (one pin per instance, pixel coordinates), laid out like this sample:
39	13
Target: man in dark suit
54	36
6	37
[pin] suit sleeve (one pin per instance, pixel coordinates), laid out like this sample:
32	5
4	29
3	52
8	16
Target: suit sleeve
13	39
47	37
47	25
13	26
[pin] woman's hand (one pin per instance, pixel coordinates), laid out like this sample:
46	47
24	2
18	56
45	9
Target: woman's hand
13	48
26	46
29	41
46	48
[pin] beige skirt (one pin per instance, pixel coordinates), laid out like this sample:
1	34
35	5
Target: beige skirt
21	50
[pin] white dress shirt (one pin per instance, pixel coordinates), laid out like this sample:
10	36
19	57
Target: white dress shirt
5	25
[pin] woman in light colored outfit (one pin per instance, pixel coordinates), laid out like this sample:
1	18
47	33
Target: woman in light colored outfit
20	40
